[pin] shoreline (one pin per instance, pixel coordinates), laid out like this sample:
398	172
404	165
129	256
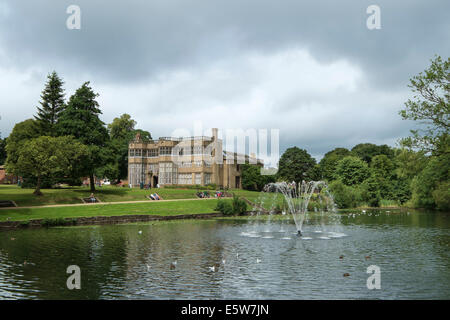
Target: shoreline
100	220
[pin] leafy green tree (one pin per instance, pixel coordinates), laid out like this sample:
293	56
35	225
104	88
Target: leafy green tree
370	191
122	131
52	104
2	151
80	119
430	106
441	195
296	165
352	170
47	156
382	166
366	151
21	133
252	178
383	171
329	162
409	163
433	176
121	127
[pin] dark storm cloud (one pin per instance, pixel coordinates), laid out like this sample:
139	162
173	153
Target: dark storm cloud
310	68
128	40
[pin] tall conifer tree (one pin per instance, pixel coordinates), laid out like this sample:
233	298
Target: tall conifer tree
52	104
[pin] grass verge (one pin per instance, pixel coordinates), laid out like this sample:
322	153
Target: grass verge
151	208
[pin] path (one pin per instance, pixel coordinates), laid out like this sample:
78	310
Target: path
102	203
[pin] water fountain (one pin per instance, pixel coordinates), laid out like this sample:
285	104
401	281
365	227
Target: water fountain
302	201
298	195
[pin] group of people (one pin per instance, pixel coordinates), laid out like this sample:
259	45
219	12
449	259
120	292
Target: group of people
155	196
205	194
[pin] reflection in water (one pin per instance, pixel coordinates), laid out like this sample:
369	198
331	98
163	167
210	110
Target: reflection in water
262	260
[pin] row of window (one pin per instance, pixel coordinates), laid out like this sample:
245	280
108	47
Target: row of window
166	151
167	175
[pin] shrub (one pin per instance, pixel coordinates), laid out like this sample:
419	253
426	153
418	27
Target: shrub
239	205
236	206
345	196
224	207
58	222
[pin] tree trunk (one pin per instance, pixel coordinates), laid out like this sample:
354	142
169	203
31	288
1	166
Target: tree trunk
37	191
92	182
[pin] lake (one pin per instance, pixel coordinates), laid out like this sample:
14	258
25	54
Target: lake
253	259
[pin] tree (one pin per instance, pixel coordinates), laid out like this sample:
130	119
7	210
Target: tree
370	191
121	131
46	156
434	176
382	166
352	170
252	178
296	165
52	104
120	128
2	150
366	151
409	163
383	173
21	133
80	119
344	196
430	106
329	162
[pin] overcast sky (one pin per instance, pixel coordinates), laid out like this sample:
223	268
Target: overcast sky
309	68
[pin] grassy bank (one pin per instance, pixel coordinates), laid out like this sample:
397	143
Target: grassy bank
73	195
151	208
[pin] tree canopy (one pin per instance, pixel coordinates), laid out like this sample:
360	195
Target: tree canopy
121	131
80	119
52	104
430	107
329	161
296	165
46	156
352	170
366	151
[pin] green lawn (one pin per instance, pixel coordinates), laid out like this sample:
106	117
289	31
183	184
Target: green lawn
153	208
25	197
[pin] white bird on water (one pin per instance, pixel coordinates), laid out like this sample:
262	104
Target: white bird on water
148	267
140	232
258	261
213	268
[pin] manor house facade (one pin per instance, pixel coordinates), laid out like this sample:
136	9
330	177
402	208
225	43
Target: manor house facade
185	161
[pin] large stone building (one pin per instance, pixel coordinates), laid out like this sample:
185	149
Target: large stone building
184	161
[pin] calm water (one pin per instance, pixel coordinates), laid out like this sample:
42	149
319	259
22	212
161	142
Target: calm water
263	259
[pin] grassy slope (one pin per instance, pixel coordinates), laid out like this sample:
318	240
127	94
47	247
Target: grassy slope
153	208
24	197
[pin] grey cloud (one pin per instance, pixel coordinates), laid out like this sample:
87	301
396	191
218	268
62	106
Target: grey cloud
173	60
